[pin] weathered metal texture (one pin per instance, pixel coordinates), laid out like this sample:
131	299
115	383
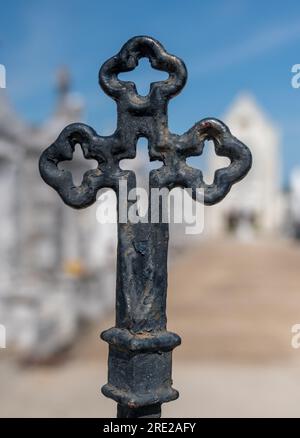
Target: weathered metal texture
140	347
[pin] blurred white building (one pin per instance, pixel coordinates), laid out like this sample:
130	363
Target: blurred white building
254	205
56	270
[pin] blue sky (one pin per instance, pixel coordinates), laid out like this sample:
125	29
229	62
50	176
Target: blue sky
228	47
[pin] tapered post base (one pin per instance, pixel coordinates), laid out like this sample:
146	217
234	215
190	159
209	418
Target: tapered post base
140	371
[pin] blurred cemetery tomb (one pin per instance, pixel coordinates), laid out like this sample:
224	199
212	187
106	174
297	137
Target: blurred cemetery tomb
57	265
256	205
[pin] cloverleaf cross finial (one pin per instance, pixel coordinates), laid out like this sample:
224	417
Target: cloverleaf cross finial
144	116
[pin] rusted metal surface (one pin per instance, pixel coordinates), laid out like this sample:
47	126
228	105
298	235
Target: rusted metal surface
140	347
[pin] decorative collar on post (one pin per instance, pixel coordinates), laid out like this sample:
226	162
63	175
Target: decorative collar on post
140	347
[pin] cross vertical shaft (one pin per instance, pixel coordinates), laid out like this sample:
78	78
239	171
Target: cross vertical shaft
140	347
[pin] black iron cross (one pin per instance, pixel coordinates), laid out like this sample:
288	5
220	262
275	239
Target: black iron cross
140	347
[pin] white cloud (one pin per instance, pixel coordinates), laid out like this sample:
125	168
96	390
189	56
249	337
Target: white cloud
261	42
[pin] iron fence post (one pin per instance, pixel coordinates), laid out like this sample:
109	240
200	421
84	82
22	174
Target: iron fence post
140	347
